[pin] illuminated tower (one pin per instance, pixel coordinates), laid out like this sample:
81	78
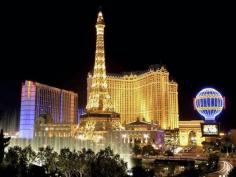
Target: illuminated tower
99	98
100	115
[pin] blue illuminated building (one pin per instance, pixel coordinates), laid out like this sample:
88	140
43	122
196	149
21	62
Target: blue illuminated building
38	100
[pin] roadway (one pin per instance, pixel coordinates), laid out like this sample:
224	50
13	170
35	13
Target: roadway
225	168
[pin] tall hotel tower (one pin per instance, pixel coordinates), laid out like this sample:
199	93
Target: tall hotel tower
39	99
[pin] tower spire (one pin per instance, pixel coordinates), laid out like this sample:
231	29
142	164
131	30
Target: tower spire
99	98
100	19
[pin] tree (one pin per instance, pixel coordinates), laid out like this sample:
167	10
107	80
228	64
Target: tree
13	155
28	155
86	158
16	159
208	146
48	158
213	160
168	153
26	158
226	144
66	162
12	160
108	164
137	149
148	150
36	171
20	162
4	142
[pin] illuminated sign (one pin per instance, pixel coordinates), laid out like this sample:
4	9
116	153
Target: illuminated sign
209	103
210	129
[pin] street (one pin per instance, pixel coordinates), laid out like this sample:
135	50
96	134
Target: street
225	168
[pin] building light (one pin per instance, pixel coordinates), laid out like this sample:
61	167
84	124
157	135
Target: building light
124	136
222	134
146	136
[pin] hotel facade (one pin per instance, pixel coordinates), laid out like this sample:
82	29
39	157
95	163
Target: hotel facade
39	100
149	94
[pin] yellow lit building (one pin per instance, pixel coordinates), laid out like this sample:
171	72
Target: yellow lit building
149	94
56	130
190	133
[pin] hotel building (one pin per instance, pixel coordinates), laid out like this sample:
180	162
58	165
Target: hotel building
39	100
149	94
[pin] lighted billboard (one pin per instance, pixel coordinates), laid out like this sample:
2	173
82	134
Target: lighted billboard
210	129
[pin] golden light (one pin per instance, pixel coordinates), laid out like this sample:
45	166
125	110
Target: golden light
222	134
146	136
81	137
124	136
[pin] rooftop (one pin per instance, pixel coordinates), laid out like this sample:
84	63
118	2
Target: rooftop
141	122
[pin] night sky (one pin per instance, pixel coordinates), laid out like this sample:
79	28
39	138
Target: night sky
54	44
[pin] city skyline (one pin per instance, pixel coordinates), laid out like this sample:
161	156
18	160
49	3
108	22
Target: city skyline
196	52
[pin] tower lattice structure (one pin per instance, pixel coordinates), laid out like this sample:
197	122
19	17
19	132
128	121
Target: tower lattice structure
99	98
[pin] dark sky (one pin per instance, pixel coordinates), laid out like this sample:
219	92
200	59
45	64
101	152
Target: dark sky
54	44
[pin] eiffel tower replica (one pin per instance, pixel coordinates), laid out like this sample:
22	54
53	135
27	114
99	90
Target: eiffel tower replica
100	115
